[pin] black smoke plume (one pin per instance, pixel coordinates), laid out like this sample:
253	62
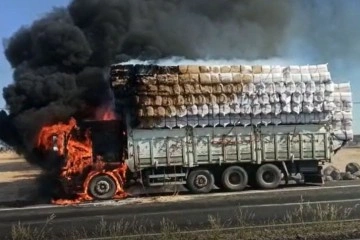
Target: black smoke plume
60	61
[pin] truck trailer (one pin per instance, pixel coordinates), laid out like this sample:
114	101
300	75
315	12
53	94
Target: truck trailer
231	149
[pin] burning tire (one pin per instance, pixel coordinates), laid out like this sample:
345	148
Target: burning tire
102	187
200	181
268	176
234	178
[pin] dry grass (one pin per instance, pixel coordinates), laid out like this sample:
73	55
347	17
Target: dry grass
22	232
326	224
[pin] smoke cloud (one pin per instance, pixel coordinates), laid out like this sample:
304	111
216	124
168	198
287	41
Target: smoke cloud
60	61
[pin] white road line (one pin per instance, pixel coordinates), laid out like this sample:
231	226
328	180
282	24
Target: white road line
148	214
200	196
302	203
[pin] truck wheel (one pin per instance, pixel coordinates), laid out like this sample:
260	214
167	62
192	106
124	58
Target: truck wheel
268	176
234	178
102	187
200	181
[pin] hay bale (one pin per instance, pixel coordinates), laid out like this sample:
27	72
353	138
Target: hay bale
149	89
192	110
213	99
237	78
118	83
233	98
160	112
205	89
189	100
181	111
172	79
204	69
177	89
183	69
215	79
200	100
205	78
256	69
235	69
184	78
148	80
222	99
179	100
145	100
170	111
225	69
238	87
167	101
189	89
147	122
246	69
215	69
149	111
165	90
161	78
218	88
193	69
197	89
229	88
188	78
266	69
247	78
226	77
158	101
194	77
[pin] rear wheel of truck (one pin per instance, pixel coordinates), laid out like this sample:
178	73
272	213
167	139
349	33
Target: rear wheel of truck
200	181
234	178
102	187
268	176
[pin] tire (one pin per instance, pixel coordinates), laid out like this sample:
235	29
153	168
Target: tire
268	176
200	181
234	178
102	187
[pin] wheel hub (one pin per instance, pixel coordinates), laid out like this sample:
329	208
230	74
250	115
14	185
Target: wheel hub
269	177
201	181
102	187
234	178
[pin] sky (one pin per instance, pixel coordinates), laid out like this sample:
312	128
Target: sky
17	13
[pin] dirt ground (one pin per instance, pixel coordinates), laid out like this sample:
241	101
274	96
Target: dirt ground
345	156
18	178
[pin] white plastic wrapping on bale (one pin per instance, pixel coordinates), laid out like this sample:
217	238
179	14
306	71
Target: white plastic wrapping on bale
296	107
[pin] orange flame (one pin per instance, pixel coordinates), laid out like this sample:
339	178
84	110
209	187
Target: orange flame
105	113
79	159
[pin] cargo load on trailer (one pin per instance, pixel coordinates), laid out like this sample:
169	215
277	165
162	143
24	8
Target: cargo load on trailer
241	95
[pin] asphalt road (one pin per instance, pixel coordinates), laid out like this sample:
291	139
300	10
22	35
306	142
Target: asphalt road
188	211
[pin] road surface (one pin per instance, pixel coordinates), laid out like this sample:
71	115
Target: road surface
188	211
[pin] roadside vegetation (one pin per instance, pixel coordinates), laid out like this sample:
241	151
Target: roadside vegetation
307	221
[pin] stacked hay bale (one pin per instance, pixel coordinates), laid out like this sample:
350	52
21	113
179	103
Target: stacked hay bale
192	95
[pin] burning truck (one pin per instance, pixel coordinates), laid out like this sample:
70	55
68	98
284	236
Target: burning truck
204	125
